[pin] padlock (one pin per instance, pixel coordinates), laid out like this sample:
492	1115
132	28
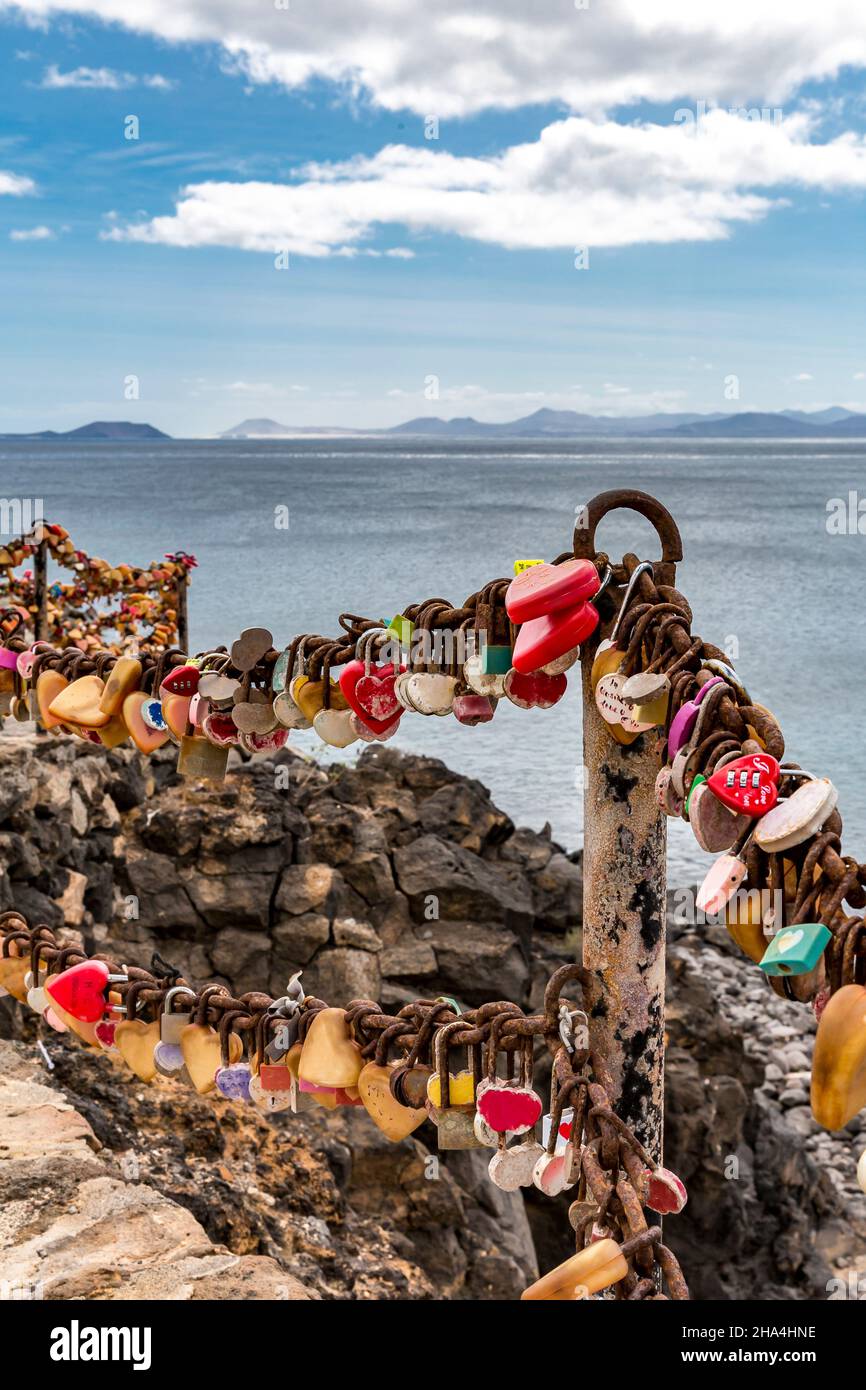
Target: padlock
606	678
199	757
123	679
82	990
724	878
839	1059
136	1041
798	817
330	1057
592	1269
78	703
795	950
168	1055
512	1167
450	1097
396	1121
509	1106
686	717
202	1054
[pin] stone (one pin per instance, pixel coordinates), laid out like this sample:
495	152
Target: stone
464	885
479	963
71	901
348	932
242	957
340	974
305	887
410	957
227	900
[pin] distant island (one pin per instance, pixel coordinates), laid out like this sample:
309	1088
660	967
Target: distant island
98	429
834	423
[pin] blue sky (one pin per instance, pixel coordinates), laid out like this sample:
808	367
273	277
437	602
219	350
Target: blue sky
727	247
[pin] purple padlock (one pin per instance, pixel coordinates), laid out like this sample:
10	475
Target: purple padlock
685	719
233	1081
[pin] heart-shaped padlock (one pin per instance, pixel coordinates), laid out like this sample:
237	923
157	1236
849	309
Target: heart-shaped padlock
749	786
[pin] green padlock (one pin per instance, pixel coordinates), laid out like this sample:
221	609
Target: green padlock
495	660
795	950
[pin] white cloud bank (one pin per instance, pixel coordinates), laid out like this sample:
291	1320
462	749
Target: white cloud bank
582	183
15	184
100	79
40	233
453	57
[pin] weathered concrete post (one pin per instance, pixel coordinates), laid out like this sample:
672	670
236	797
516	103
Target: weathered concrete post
624	868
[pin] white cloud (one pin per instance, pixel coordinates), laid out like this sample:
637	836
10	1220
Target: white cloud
101	79
15	184
859	376
582	182
458	56
41	233
804	376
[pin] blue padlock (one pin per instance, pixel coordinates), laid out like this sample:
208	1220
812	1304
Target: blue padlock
795	950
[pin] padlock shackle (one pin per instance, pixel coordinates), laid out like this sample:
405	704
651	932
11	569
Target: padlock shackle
647	506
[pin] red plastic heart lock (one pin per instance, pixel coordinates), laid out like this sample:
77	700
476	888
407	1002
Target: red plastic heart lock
473	709
666	1193
375	695
508	1107
542	640
183	680
748	785
535	690
545	589
82	990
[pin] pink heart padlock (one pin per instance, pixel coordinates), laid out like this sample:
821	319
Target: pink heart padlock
548	588
720	884
685	719
749	785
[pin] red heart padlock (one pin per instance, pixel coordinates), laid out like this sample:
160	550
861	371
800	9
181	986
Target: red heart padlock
350	678
81	990
542	640
473	709
536	690
183	680
546	588
507	1107
666	1193
749	785
375	695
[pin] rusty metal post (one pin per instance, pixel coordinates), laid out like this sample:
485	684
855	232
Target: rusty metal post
182	604
624	872
40	590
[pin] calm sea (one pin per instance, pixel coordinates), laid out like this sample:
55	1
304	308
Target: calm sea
375	525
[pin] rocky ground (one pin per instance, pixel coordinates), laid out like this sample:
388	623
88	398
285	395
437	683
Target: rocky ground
394	879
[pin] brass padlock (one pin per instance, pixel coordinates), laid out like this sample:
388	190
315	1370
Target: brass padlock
199	757
450	1103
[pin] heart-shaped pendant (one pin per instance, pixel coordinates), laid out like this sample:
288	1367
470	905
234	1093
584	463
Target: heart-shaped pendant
123	679
13	975
183	680
335	727
839	1059
48	687
800	815
218	688
254	718
394	1120
375	695
666	1193
430	692
367	735
508	1107
253	644
288	713
220	728
81	990
202	1054
168	1058
534	690
555	1173
720	884
329	1056
542	640
233	1081
104	1032
351	676
175	710
749	785
78	703
511	1169
686	717
136	1041
264	743
544	589
715	828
